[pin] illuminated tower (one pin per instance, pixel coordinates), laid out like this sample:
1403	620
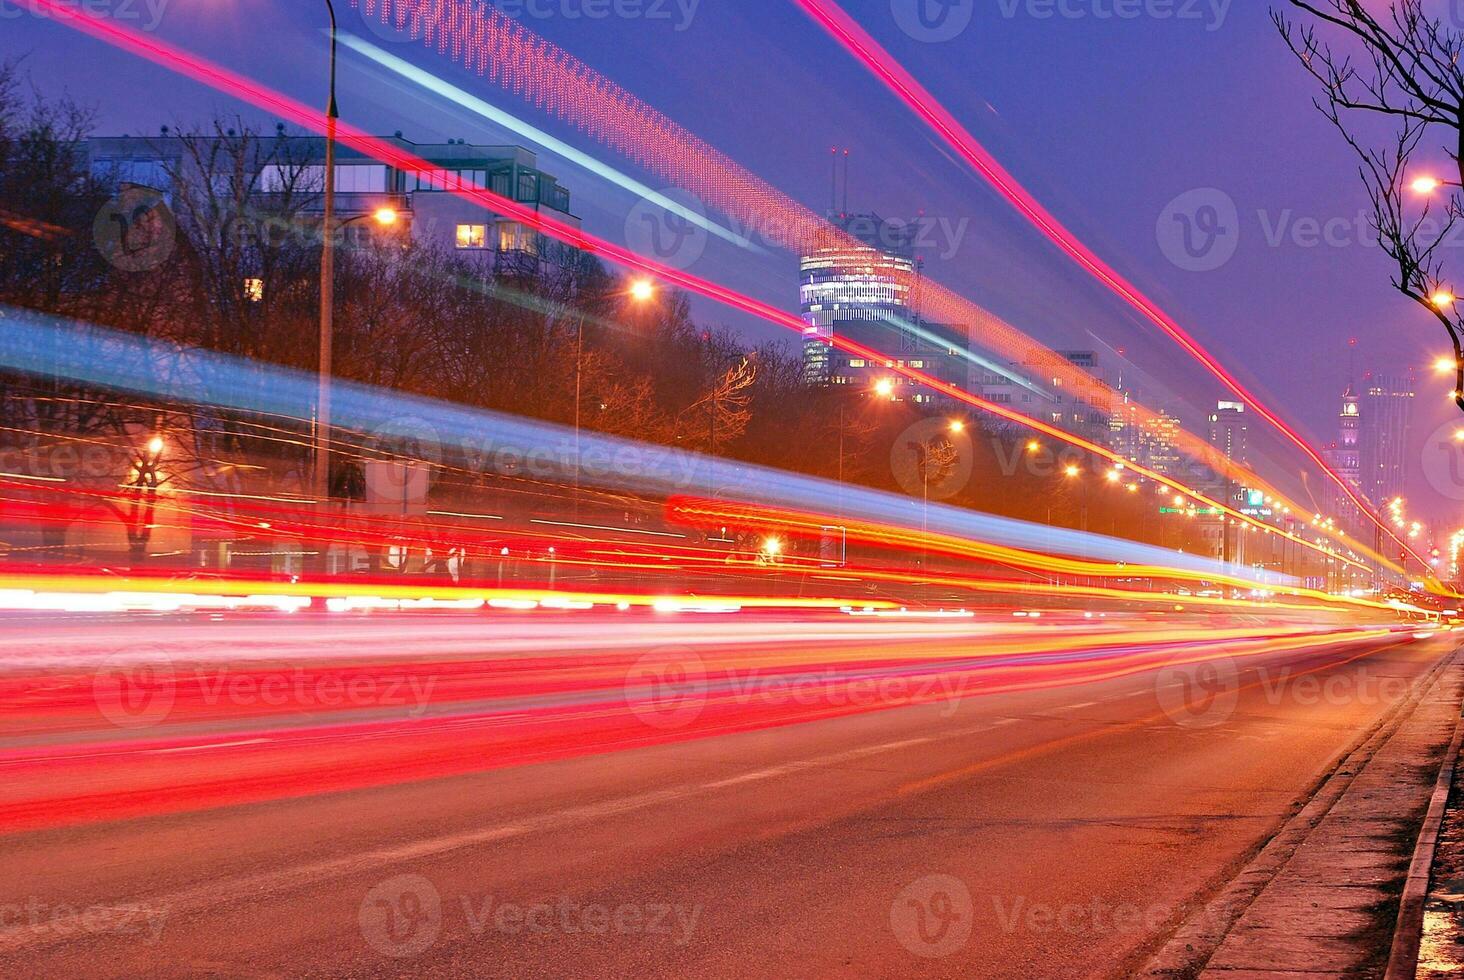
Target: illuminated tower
856	285
1345	456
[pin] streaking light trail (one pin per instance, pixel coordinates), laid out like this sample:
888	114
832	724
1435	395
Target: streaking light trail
888	70
241	87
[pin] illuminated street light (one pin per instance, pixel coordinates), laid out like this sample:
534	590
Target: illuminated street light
772	546
642	290
884	388
1442	299
1034	446
1070	470
1111	476
957	426
1445	364
155	445
1425	185
385	216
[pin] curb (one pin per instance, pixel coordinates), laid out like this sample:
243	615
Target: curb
1190	946
1408	932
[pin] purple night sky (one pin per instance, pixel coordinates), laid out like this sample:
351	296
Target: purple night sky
1105	119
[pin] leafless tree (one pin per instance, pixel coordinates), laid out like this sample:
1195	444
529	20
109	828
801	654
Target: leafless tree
1399	66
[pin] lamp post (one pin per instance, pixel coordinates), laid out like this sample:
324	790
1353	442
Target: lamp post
640	291
327	280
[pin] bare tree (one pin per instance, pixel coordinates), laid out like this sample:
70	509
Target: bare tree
721	415
1398	65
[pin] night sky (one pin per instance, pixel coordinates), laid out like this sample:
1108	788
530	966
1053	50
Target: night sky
1106	120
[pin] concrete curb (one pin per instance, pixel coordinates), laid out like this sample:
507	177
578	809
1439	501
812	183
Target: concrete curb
1199	936
1408	933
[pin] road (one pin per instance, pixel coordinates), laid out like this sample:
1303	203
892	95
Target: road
1051	822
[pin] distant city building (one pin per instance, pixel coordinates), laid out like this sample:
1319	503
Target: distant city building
1158	447
1387	418
865	290
1344	457
1228	431
1042	385
421	200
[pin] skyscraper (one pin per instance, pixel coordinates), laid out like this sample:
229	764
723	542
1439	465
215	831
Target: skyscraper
1228	431
1387	416
865	290
1344	456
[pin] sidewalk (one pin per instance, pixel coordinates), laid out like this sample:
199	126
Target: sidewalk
1321	898
1441	952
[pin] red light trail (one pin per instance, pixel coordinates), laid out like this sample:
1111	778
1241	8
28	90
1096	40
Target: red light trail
246	89
899	80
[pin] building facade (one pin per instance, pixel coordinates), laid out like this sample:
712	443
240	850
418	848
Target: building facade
1387	420
421	202
1229	433
862	284
1044	386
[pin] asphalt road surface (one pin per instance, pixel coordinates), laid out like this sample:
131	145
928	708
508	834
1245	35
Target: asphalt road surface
1052	829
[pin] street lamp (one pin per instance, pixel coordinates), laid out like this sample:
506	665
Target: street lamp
642	290
957	426
327	285
1441	299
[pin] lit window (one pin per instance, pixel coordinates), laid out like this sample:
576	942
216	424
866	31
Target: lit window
472	236
856	362
253	290
514	237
